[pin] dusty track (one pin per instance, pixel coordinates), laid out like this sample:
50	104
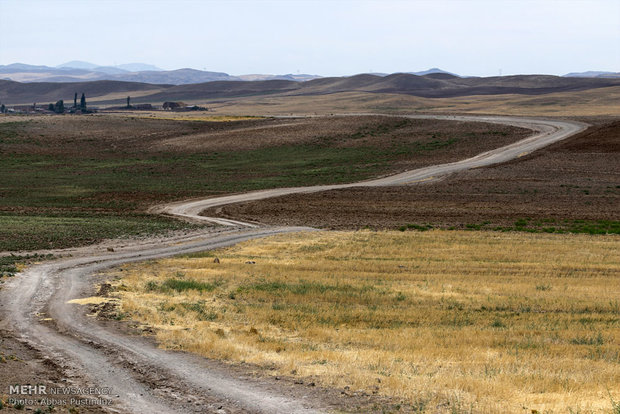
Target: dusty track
147	379
547	132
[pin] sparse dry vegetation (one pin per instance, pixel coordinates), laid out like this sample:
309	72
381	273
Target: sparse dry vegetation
447	321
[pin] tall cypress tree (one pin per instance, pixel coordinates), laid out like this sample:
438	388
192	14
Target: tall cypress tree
83	102
75	100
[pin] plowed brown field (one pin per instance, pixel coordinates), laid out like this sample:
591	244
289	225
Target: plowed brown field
577	179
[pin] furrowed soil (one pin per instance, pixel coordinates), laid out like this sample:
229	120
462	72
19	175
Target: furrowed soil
74	180
573	185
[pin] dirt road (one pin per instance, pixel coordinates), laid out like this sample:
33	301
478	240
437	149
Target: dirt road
34	305
547	132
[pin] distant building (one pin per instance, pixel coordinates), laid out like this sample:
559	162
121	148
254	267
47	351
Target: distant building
143	107
174	105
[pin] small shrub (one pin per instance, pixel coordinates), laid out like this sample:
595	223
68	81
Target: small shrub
418	227
473	226
203	313
183	285
151	286
543	287
521	223
497	323
588	340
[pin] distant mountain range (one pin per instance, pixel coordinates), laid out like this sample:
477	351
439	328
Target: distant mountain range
421	73
593	74
127	67
432	85
79	71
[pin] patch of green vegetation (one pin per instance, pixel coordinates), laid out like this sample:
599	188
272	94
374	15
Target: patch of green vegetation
567	226
8	264
498	323
543	287
301	288
203	313
417	227
30	232
521	223
588	340
539	226
181	285
12	132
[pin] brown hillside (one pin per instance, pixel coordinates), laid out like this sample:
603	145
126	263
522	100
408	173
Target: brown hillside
428	86
23	93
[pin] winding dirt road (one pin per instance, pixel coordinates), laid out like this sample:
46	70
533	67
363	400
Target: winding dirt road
144	379
546	132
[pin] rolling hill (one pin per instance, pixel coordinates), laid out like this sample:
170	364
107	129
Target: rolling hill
434	85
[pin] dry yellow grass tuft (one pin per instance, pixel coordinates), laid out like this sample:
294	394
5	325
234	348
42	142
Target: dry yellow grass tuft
488	322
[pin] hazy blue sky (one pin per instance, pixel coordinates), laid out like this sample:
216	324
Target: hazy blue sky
318	37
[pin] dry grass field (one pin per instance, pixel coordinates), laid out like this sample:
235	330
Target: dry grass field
446	321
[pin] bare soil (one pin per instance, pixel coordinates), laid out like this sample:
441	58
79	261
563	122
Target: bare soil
577	179
108	136
21	364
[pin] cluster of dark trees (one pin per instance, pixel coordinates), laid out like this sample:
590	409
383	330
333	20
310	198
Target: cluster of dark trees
59	106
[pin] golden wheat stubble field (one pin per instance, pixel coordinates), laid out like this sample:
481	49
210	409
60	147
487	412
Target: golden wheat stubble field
442	320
